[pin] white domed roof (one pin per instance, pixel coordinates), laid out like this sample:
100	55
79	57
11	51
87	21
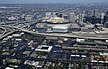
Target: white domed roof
12	18
56	20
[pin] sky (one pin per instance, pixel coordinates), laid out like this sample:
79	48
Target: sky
50	1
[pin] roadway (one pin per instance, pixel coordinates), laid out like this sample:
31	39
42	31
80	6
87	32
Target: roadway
87	49
3	31
68	35
8	31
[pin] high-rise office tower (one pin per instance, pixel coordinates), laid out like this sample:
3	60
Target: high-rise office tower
81	16
72	17
102	17
105	18
95	13
105	22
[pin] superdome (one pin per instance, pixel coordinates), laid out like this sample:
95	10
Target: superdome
57	24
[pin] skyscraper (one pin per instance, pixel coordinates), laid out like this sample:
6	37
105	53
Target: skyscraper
105	22
95	13
105	18
102	17
81	16
72	17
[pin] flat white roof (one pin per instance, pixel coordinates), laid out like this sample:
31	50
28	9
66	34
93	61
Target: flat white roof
16	35
39	48
105	54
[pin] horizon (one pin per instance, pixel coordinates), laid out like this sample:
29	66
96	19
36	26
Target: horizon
52	1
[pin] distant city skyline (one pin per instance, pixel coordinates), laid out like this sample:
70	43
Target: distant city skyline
50	1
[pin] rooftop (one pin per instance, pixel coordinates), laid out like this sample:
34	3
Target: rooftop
57	20
43	48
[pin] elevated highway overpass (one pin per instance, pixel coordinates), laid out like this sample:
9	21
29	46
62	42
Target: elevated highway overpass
68	35
8	31
4	31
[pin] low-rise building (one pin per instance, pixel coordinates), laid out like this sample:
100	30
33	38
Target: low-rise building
43	48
